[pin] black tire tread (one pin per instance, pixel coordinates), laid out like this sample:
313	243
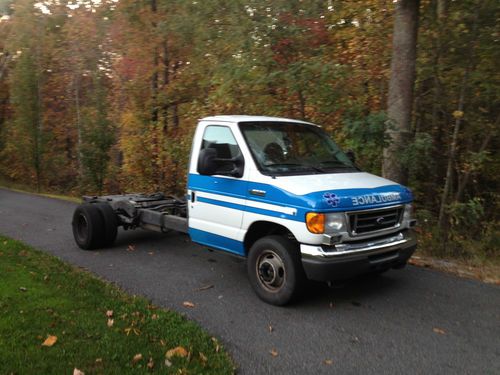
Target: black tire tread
96	230
110	223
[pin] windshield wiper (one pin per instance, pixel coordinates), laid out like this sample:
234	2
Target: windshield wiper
303	166
337	164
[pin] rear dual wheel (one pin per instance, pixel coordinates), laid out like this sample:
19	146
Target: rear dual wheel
275	270
95	225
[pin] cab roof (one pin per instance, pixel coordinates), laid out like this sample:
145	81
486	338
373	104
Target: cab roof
244	118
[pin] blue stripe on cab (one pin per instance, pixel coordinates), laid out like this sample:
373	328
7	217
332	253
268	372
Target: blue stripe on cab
255	210
217	242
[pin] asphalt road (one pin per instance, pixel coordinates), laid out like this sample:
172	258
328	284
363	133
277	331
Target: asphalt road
374	325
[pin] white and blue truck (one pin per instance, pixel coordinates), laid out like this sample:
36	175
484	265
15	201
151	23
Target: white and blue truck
278	192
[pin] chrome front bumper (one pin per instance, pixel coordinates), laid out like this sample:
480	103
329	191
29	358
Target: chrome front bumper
397	241
347	260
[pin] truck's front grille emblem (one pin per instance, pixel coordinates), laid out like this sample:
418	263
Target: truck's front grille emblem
374	220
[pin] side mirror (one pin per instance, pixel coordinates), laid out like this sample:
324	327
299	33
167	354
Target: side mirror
350	154
207	164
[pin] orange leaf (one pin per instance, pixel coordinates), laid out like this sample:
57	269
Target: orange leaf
49	341
178	351
439	330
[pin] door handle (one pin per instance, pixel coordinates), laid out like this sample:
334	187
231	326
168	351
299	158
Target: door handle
259	193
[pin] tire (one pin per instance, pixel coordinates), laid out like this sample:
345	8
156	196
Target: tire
88	227
275	270
110	223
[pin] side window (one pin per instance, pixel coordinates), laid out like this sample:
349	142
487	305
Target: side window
229	160
222	140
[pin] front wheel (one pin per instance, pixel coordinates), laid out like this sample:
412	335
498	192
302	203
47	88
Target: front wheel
275	270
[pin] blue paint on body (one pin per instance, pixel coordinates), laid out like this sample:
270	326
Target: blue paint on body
216	241
320	201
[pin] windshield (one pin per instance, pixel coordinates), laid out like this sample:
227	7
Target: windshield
286	148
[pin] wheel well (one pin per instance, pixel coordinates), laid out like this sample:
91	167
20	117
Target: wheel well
261	229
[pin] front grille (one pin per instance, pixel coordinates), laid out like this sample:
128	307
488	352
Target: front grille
374	220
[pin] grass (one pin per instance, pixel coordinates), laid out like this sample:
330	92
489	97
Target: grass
42	296
5	183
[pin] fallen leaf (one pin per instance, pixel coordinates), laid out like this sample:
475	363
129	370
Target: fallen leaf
188	304
204	287
109	313
439	331
168	363
328	362
458	114
111	322
137	358
131	248
217	347
274	352
154	316
162	342
203	357
133	330
78	372
98	360
23	289
178	351
150	364
46	277
49	341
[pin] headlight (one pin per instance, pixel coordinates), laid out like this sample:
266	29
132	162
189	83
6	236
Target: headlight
335	222
325	223
408	214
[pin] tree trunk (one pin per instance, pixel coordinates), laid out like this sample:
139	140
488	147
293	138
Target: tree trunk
76	87
484	145
400	98
166	81
154	77
456	129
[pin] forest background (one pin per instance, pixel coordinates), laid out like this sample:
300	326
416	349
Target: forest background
102	96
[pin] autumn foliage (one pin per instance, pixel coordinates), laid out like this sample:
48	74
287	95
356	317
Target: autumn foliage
102	97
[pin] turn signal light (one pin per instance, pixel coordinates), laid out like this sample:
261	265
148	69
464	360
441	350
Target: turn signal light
315	222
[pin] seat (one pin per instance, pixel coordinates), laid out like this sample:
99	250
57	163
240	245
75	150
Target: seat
274	153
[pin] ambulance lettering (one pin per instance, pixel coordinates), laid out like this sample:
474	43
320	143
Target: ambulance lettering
375	198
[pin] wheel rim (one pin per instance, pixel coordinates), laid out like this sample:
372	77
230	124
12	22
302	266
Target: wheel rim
82	226
270	271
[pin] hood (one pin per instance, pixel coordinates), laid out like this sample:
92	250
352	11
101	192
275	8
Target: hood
335	192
